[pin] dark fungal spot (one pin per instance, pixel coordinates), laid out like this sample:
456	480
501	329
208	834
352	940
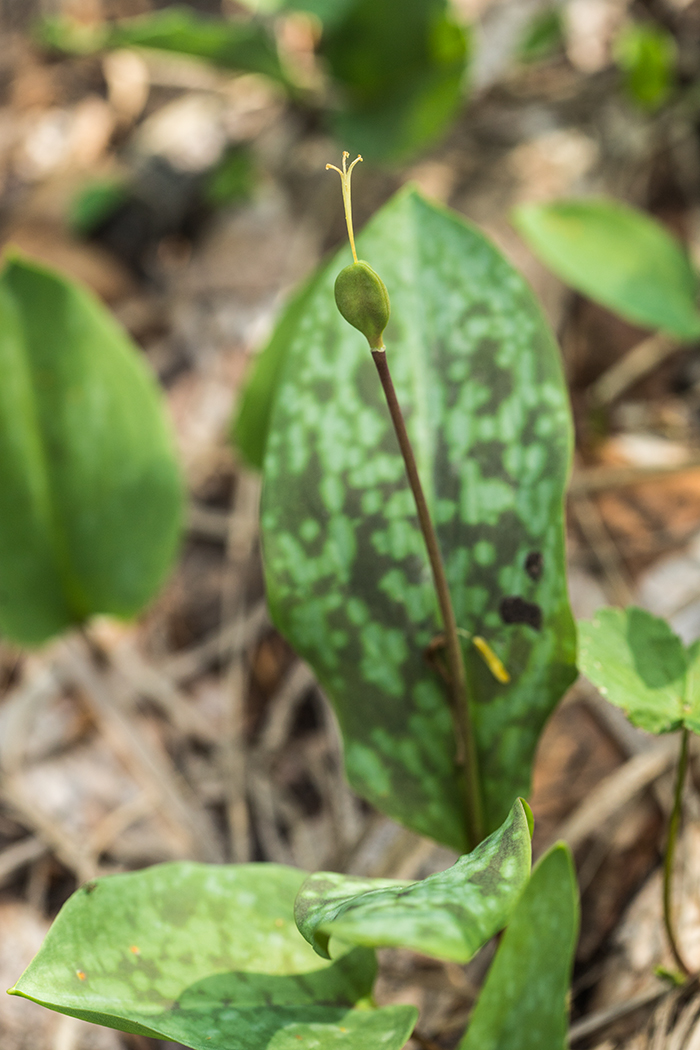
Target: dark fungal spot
517	610
534	564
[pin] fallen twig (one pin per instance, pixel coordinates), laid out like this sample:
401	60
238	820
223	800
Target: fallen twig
643	358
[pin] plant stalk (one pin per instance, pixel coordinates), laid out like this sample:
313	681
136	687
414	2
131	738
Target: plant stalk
466	743
673	826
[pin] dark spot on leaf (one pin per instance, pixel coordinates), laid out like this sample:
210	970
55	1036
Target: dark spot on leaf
89	887
534	564
517	610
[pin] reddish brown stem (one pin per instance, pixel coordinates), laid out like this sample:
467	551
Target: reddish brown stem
461	712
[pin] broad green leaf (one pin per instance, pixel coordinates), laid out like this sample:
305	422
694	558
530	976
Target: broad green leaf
523	1004
208	956
647	55
252	421
90	493
479	378
620	257
640	665
241	43
401	75
449	915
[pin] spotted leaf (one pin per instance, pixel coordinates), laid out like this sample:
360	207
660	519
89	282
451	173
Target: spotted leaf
479	378
449	915
207	957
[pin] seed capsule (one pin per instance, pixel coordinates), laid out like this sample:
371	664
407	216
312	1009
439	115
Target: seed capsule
363	300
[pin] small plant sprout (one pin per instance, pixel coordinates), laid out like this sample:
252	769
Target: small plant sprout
360	293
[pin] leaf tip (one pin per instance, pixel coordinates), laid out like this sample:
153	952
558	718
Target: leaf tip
529	816
320	942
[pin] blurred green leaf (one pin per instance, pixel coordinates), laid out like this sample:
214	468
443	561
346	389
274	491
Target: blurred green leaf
640	665
647	54
328	12
543	37
479	377
449	915
241	43
67	35
618	256
207	956
90	493
95	203
523	1004
400	68
232	180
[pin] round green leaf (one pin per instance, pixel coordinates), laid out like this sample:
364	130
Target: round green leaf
639	664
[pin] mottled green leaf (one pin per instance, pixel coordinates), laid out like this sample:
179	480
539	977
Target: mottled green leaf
400	75
647	55
449	915
479	378
90	494
208	956
523	1004
252	420
620	257
640	665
